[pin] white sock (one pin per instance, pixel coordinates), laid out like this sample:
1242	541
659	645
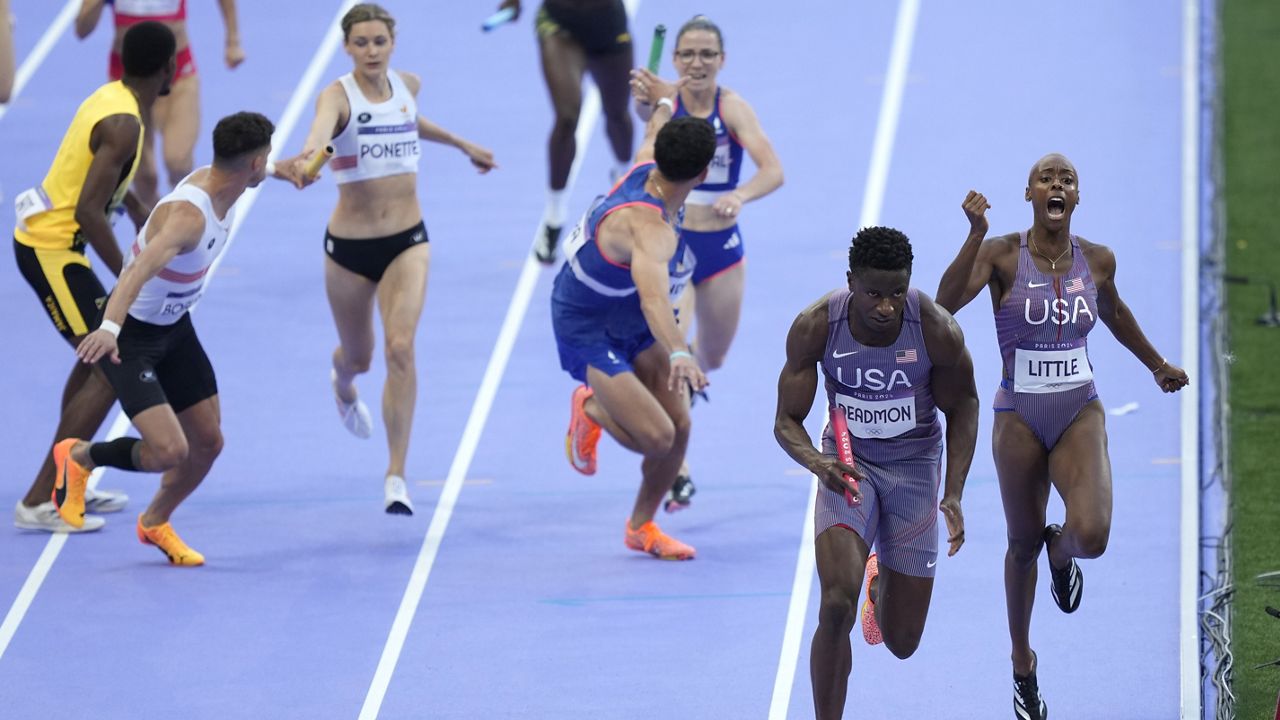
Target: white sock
557	208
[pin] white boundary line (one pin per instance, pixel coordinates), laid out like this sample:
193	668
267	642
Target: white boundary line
493	373
872	203
293	111
32	61
1189	580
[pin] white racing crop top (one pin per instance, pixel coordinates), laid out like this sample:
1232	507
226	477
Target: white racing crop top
380	139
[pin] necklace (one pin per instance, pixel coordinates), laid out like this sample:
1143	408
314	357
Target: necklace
1053	264
657	190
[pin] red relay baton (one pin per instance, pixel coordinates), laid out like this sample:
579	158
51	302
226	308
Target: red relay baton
844	448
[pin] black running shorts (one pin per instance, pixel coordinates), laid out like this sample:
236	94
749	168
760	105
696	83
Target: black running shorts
599	26
160	364
373	256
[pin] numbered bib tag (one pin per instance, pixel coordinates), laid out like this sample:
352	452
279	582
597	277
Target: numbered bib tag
879	419
681	274
1041	369
29	203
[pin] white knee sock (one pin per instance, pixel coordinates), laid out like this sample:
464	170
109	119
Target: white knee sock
557	208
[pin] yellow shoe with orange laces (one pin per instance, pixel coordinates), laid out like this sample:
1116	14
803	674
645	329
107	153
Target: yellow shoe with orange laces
70	481
648	538
164	537
584	433
871	628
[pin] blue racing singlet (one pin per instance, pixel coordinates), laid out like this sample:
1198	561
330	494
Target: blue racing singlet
590	278
726	164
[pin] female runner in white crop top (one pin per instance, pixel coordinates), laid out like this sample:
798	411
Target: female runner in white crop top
376	243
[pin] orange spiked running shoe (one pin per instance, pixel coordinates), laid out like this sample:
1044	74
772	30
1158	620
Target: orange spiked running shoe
164	537
584	433
70	481
648	538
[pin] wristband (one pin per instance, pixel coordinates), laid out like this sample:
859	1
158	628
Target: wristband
1163	362
675	354
667	102
271	169
111	327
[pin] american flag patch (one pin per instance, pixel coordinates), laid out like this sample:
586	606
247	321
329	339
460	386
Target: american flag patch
1074	285
905	356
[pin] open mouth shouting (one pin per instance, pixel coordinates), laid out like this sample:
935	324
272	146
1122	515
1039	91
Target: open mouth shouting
1056	208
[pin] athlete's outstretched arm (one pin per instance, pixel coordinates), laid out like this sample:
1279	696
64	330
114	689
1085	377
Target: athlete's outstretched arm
956	395
653	243
655	88
177	227
332	114
87	18
972	268
745	126
481	157
1120	320
233	54
114	142
806	343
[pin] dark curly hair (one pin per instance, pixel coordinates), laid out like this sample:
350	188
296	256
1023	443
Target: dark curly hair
239	134
880	248
146	48
684	147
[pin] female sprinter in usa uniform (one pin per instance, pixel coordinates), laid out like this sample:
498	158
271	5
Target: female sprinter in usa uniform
376	243
1050	426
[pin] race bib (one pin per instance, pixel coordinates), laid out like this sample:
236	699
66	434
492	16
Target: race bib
1050	371
29	203
718	168
577	238
878	419
681	275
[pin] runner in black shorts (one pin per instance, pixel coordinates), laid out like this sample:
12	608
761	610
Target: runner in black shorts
148	349
574	37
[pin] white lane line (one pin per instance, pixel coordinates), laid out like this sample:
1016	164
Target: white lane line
493	373
32	62
872	203
793	635
1189	578
293	111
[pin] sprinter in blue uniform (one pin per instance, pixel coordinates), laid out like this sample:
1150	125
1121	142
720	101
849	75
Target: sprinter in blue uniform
615	323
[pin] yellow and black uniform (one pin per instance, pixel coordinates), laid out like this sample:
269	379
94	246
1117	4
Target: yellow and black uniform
47	241
599	26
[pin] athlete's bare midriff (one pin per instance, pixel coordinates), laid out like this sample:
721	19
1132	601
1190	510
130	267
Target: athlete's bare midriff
376	208
703	218
179	28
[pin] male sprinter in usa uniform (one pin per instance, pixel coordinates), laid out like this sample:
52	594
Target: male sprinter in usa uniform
891	358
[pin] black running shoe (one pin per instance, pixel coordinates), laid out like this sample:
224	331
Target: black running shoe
544	249
1068	583
681	494
1027	703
